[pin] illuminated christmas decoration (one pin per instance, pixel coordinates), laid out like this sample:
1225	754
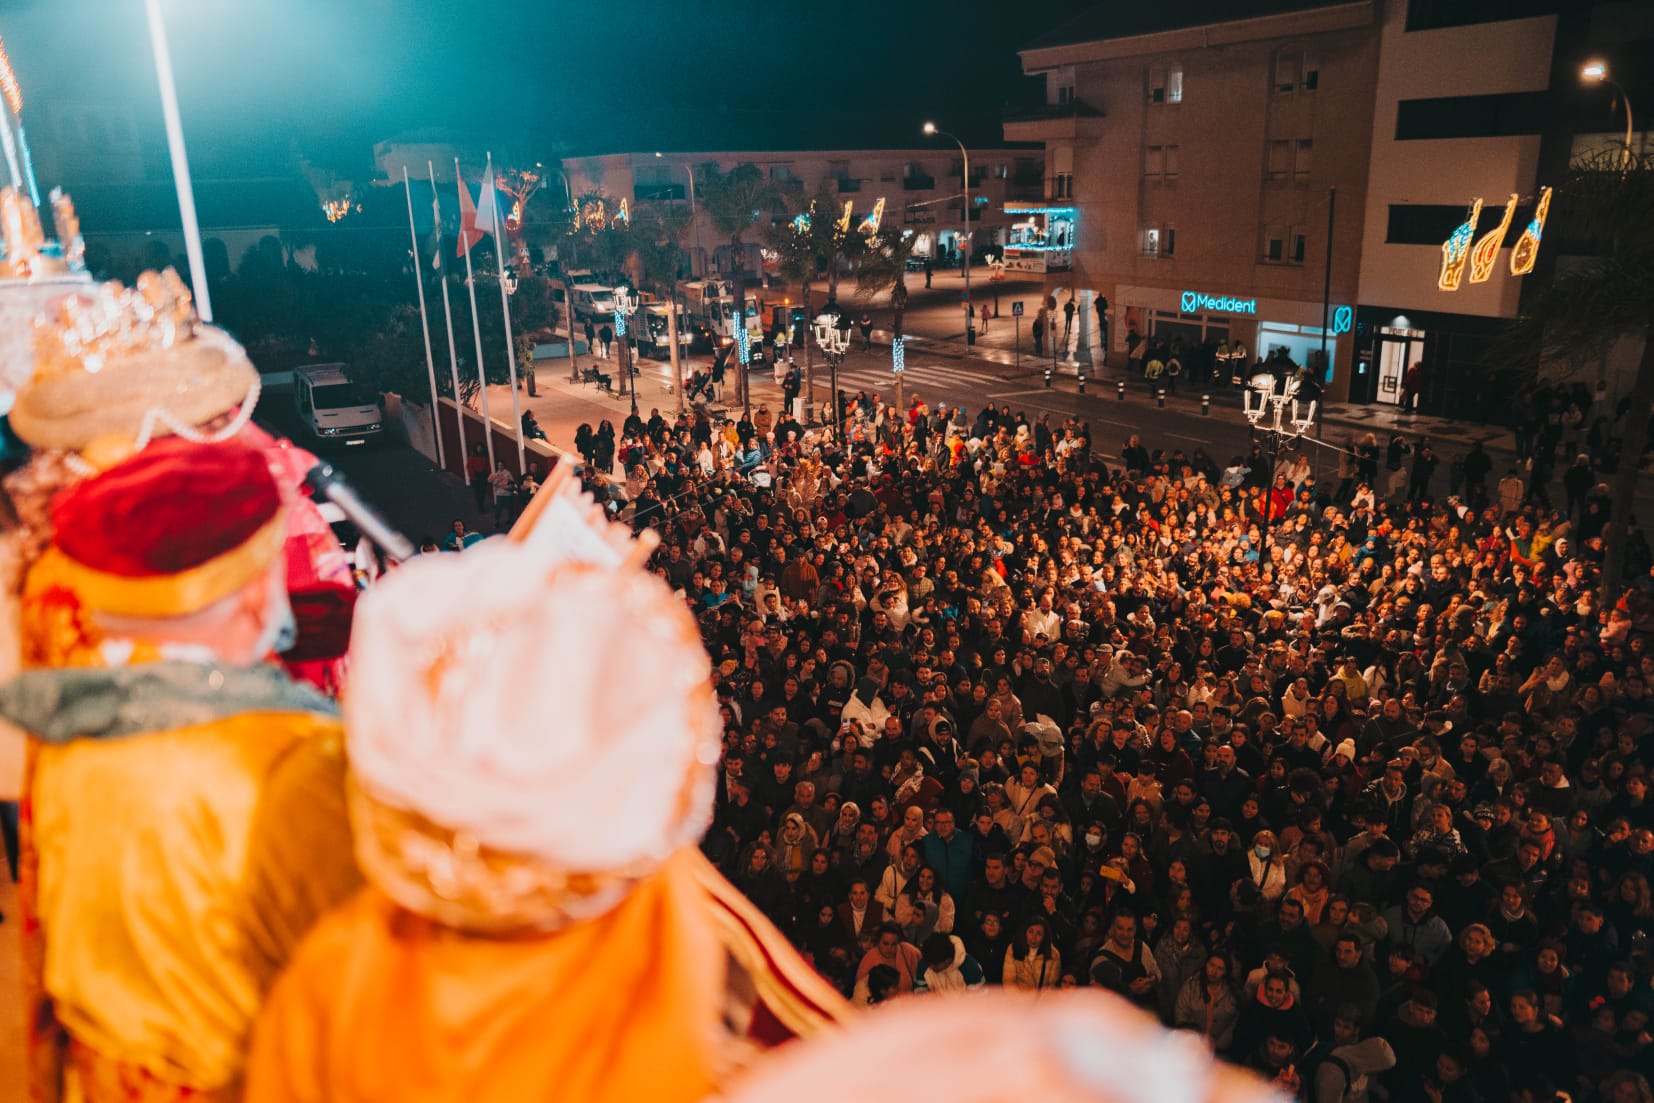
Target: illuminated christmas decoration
1526	249
624	214
844	219
801	224
620	322
520	185
1485	254
592	213
335	209
898	353
1342	319
1456	250
870	224
742	345
9	88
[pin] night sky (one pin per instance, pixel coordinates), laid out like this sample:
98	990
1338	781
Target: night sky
260	78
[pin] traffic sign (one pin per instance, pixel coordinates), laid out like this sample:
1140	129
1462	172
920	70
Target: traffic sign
965	295
1016	310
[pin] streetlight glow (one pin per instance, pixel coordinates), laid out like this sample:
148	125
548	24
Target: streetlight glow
1594	72
930	128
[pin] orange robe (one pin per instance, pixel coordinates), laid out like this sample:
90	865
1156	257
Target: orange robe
660	999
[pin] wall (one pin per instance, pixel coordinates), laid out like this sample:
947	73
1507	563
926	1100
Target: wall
1511	56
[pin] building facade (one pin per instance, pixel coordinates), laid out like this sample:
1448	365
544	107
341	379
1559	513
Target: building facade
1208	169
919	189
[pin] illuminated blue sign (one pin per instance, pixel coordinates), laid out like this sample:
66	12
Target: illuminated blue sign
1228	304
1342	319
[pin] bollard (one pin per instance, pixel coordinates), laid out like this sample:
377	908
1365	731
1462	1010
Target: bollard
1048	377
1082	380
1160	397
1120	389
1205	405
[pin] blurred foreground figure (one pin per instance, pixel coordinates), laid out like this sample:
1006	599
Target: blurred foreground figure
533	743
1079	1046
184	818
114	369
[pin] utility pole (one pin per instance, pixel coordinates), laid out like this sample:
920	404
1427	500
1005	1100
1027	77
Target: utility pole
1326	287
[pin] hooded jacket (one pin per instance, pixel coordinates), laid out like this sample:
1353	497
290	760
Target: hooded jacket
960	974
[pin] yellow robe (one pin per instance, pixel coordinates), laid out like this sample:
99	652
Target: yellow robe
175	873
659	999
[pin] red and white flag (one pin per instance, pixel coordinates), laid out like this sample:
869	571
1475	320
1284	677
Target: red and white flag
470	231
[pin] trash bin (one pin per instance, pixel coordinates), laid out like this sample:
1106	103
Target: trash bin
970	336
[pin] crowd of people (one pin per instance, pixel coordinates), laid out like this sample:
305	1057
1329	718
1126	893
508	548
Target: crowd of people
1360	797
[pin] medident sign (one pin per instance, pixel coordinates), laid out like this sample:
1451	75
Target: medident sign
1227	304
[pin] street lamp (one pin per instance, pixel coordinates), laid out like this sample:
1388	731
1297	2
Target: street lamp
965	179
1596	72
694	221
626	304
832	334
1267	394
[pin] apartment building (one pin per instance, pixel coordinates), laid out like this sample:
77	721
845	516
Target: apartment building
1214	174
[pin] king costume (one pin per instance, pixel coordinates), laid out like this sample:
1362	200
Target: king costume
184	818
533	743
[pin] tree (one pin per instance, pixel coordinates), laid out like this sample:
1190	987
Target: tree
1605	209
884	256
811	245
737	201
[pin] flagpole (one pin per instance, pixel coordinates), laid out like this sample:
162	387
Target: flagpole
180	162
448	316
424	319
505	308
476	329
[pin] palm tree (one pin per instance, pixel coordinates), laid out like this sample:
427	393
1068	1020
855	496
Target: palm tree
810	245
884	256
737	201
1605	208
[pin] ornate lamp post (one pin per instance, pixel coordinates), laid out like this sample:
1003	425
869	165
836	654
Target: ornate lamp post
832	334
1267	394
626	304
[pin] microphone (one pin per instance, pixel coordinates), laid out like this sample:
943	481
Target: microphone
328	485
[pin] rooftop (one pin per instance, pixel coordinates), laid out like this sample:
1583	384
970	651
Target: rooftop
1114	19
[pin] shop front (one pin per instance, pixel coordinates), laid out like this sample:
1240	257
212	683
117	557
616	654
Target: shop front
1456	371
1040	239
1207	323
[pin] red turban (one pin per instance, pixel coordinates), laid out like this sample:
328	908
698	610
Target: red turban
171	530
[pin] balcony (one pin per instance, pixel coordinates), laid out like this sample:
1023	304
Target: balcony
1054	122
847	185
919	183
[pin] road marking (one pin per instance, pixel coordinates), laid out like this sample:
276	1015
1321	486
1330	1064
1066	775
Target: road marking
1016	394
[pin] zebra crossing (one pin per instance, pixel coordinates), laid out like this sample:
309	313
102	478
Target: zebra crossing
936	376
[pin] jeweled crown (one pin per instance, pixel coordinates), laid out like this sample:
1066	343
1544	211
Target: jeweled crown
87	330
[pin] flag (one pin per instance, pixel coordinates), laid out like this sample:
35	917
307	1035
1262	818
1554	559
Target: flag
487	204
436	230
469	231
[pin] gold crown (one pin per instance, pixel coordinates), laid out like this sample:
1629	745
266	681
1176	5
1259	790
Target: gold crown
20	235
86	331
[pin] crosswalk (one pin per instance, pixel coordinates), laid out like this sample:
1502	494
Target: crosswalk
936	376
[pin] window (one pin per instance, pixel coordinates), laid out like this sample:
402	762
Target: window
780	173
1297	247
1174	85
1496	115
1300	163
1274	250
1062	186
1157	85
1279	163
1286	72
1160	163
1310	79
1065	94
1159	241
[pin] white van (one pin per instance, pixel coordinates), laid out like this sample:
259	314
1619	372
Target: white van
334	410
654	336
593	300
